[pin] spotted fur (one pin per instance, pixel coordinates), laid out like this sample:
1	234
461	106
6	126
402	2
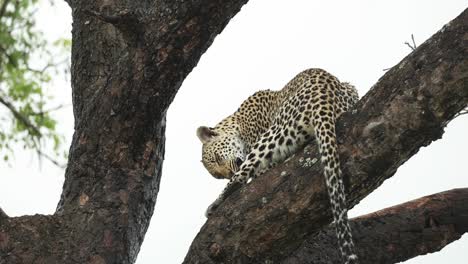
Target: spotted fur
271	125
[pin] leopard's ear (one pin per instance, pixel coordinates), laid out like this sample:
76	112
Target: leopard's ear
206	134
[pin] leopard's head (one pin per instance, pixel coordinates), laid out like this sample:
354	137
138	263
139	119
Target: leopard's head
222	152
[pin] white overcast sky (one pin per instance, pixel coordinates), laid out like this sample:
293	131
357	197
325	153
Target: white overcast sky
263	47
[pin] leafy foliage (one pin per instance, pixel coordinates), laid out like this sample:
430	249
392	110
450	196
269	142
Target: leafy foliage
25	118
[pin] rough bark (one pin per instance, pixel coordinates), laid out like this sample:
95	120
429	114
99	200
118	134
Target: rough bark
128	60
408	108
396	233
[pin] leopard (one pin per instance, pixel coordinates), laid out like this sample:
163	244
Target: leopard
270	126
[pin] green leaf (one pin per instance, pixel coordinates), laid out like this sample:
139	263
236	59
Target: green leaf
25	85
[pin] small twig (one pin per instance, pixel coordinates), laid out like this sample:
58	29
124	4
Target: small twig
51	109
49	158
47	66
20	117
43	69
41	154
411	46
28	124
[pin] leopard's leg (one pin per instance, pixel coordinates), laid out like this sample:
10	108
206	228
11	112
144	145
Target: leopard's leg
256	160
230	188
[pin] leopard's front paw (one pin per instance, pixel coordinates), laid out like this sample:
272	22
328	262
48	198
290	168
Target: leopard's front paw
212	208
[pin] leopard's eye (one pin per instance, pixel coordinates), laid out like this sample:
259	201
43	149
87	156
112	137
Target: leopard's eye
218	159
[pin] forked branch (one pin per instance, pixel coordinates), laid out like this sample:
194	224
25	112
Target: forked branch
406	109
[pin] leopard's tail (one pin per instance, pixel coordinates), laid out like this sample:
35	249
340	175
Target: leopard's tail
324	111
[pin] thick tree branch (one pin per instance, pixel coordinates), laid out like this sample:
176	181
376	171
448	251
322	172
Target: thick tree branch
41	230
397	233
407	109
125	74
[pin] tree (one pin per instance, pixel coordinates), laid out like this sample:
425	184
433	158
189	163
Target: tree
128	60
26	63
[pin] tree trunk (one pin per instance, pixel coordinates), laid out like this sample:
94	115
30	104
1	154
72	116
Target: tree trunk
128	61
267	220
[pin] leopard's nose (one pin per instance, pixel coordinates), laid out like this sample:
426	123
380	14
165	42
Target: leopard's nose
218	176
222	173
